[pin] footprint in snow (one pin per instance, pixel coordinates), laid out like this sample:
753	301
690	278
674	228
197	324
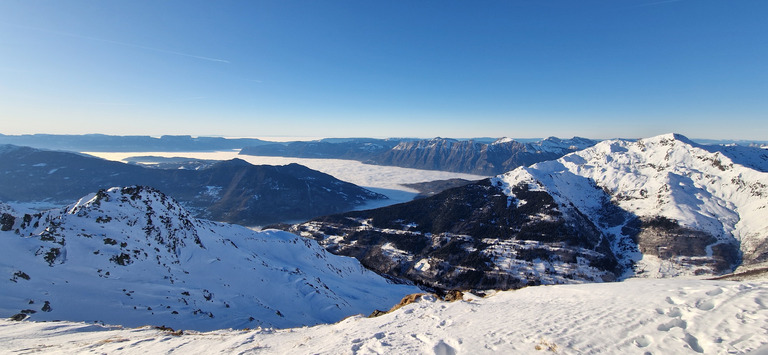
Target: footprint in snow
674	313
441	348
677	322
715	292
642	341
693	342
760	303
705	305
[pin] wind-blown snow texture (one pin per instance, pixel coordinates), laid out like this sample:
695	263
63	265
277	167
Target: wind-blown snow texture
133	256
633	317
700	208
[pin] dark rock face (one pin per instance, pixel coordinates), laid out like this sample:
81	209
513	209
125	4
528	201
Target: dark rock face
476	158
433	154
230	191
666	239
442	154
471	237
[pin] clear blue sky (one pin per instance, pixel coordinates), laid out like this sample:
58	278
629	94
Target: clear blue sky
597	69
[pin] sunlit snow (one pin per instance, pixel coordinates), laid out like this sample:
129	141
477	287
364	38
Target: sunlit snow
632	317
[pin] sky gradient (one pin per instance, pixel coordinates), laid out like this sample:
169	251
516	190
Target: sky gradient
597	69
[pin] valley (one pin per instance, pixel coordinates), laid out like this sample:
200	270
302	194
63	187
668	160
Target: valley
384	177
659	214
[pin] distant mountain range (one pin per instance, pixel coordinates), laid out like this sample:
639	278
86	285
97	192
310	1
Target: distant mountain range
464	156
107	143
134	256
656	207
230	191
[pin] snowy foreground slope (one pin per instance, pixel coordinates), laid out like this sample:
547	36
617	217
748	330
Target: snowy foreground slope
631	317
133	256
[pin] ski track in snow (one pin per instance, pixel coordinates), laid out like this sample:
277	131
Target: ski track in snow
632	317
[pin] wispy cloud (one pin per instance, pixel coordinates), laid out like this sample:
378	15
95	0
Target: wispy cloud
125	44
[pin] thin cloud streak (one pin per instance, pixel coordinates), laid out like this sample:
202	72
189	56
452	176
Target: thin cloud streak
159	50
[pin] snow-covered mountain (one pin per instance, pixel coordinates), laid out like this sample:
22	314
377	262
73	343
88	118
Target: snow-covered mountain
133	256
657	207
691	209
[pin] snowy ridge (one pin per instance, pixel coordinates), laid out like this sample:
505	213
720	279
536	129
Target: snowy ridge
666	177
557	145
133	256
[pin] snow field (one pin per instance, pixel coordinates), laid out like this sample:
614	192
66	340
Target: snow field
631	317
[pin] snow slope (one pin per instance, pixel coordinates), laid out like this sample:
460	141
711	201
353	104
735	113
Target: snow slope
718	196
632	317
133	256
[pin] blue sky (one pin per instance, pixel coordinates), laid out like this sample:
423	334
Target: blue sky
598	69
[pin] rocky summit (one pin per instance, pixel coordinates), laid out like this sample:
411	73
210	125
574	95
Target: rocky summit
134	256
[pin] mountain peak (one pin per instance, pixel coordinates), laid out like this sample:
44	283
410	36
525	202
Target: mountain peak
161	219
713	195
132	256
119	195
667	137
503	140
